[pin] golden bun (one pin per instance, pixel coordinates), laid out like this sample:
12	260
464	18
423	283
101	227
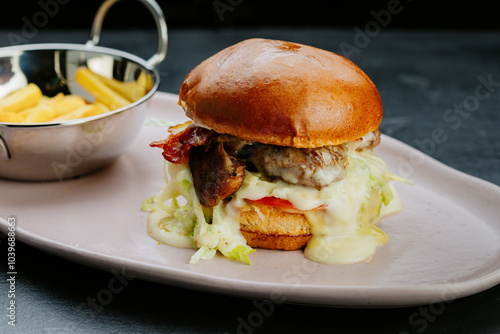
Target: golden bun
282	93
268	227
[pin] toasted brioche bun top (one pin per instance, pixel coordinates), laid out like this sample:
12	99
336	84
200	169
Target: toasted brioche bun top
282	93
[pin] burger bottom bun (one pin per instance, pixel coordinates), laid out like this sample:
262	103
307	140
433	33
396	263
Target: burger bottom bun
272	228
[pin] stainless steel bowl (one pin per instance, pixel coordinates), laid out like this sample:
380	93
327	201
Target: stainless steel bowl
62	150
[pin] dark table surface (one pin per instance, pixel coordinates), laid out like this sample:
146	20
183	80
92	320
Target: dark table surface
420	76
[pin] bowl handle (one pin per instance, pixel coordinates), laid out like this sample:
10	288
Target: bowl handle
161	26
4	150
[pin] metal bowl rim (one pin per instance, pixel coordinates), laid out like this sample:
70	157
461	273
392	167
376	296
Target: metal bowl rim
10	50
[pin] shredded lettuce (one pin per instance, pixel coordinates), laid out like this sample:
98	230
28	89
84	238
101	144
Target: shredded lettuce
209	229
177	218
151	121
381	188
204	253
380	195
148	204
239	253
221	234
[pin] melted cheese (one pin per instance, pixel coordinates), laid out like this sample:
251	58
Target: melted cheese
339	235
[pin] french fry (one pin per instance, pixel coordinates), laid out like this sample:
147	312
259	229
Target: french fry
102	107
132	91
93	111
28	105
51	101
85	111
22	98
68	104
98	89
147	79
10	117
38	114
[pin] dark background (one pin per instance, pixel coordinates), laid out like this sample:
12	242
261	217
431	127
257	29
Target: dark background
414	14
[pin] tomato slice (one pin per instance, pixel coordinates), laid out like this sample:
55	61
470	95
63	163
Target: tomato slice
280	203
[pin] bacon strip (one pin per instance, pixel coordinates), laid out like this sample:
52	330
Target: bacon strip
181	138
216	175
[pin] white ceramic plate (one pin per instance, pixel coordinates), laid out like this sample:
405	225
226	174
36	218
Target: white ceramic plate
445	244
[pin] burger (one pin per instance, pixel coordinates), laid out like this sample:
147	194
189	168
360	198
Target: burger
278	155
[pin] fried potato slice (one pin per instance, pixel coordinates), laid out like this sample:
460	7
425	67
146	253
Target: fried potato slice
100	90
85	111
63	104
10	117
21	99
38	114
28	105
132	90
102	107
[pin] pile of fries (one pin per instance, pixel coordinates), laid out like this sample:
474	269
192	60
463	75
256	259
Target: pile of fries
28	105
